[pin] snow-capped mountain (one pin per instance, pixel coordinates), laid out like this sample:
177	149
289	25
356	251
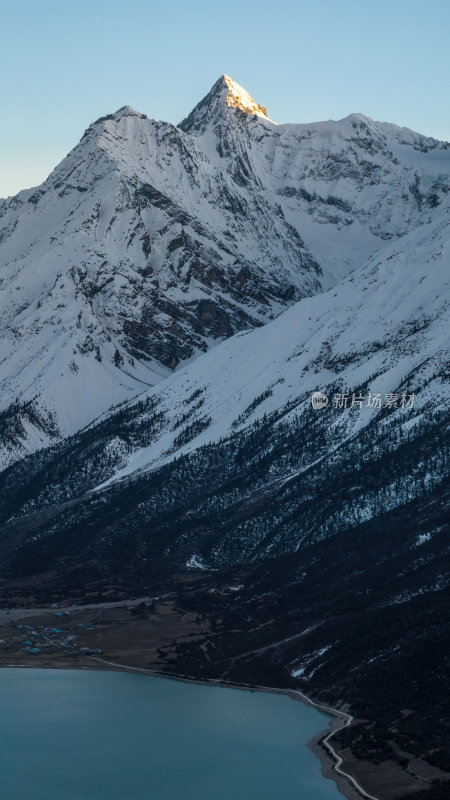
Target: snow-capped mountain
172	297
149	243
347	186
382	331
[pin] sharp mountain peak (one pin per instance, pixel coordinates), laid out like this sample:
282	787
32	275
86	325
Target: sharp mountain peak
224	94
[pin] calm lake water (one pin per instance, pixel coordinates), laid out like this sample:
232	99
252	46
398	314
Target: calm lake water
82	735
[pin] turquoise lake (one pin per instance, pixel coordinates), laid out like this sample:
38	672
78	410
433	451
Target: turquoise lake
85	735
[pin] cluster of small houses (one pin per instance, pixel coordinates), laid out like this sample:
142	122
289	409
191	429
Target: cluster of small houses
37	641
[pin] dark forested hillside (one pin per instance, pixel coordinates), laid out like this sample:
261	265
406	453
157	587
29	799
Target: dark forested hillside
298	588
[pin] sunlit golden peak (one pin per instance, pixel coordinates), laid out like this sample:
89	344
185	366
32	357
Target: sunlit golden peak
238	97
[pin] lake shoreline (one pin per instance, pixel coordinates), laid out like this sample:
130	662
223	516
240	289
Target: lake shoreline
318	746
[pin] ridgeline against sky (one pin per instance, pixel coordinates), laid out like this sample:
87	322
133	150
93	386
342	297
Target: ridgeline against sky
64	67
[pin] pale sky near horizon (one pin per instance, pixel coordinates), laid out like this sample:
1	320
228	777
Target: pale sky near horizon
63	65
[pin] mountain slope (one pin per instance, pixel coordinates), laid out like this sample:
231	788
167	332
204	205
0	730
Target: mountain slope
383	332
385	328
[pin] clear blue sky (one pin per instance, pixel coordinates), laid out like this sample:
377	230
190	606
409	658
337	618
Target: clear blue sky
63	64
